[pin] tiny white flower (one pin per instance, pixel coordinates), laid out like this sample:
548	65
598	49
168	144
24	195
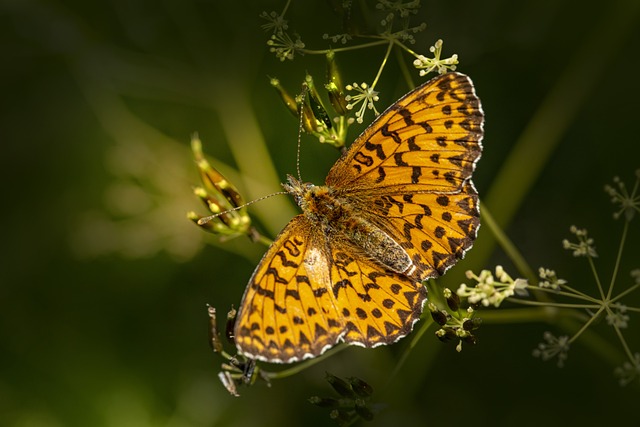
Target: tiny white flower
428	65
275	22
365	95
629	371
554	347
629	203
585	245
490	291
618	318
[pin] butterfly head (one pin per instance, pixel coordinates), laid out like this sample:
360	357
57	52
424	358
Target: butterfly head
297	188
304	193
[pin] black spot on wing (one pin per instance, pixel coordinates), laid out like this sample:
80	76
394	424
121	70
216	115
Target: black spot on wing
384	130
406	115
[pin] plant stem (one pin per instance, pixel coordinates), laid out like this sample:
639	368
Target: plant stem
618	258
507	245
304	365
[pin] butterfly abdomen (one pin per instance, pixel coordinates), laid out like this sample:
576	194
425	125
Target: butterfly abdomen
378	245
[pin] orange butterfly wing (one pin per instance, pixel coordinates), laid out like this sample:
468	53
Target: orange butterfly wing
287	312
429	140
410	172
377	306
308	293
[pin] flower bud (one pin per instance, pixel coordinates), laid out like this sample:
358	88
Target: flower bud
342	387
360	387
438	316
453	300
471	324
363	410
470	339
341	417
289	101
324	402
335	87
319	112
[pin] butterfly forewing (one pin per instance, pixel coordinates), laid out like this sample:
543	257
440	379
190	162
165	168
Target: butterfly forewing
427	141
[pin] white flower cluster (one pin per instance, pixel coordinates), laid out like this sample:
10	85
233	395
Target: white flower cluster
492	290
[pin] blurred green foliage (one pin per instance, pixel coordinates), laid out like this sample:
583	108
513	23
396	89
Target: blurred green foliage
104	282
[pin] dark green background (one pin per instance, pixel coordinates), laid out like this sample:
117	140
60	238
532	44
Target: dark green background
119	338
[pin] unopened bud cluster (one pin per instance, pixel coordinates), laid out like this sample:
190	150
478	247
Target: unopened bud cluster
455	323
352	402
314	116
220	197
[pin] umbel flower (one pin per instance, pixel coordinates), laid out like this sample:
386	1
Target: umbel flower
491	290
628	202
427	65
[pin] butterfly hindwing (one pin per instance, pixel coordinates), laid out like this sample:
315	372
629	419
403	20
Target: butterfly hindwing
436	230
377	306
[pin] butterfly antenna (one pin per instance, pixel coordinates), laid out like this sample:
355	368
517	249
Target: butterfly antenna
305	88
206	219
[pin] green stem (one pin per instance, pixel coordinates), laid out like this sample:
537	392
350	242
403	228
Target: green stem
519	315
304	365
405	48
384	62
618	258
343	49
406	74
623	341
286	7
415	338
588	323
575	293
264	240
555	304
594	271
626	292
507	245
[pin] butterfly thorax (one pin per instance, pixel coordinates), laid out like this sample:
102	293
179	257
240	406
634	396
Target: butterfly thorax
340	219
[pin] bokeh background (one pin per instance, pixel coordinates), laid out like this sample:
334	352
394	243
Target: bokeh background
104	282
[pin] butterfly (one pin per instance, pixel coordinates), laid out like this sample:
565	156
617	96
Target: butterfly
397	208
